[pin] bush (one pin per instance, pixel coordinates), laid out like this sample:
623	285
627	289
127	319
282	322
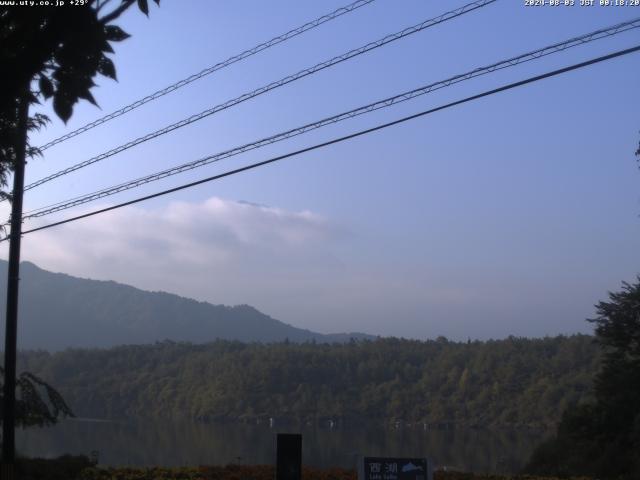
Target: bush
66	467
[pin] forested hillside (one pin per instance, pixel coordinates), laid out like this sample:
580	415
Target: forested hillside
511	382
58	311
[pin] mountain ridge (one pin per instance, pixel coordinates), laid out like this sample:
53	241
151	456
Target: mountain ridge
59	311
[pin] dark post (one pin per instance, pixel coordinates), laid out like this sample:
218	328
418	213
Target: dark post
11	332
289	456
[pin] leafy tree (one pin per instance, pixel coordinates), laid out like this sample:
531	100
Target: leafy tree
602	438
31	408
617	385
50	52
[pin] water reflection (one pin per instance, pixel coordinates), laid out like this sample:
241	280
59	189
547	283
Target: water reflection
175	443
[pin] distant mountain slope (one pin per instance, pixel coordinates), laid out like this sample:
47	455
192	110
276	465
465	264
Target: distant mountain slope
59	311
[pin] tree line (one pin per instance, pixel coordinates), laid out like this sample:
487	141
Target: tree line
515	382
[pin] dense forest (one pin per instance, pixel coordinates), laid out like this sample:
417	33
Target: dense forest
507	383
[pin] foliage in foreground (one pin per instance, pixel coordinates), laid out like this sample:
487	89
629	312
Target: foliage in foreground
602	438
267	472
63	49
37	402
66	467
77	468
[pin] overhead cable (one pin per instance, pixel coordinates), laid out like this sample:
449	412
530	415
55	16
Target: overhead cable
342	139
271	86
209	70
380	104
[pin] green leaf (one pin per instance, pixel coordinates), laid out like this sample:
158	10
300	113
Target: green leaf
107	68
114	33
106	46
88	97
63	106
143	6
33	98
46	86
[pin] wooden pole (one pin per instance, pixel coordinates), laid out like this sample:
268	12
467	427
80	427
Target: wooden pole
11	331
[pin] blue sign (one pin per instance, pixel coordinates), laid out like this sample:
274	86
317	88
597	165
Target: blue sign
387	468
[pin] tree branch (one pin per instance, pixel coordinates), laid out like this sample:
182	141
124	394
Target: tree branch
117	12
101	4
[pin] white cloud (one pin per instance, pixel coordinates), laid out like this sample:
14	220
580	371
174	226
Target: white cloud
219	250
299	267
296	266
213	232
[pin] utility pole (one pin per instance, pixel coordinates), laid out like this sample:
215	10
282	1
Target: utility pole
11	332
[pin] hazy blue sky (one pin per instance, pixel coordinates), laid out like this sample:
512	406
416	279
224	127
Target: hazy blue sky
510	215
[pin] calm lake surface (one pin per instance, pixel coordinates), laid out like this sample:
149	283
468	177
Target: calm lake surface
184	443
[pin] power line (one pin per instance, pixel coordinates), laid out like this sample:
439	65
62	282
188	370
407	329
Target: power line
209	70
344	138
271	86
380	104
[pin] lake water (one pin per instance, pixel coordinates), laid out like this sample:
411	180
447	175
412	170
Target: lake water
184	443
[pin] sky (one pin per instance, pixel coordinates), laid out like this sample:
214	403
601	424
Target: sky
510	215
